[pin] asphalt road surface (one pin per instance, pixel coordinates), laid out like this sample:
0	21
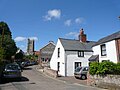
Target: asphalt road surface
35	80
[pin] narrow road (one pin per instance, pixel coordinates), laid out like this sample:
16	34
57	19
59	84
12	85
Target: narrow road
35	80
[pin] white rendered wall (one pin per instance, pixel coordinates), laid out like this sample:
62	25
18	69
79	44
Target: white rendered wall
72	57
110	49
55	59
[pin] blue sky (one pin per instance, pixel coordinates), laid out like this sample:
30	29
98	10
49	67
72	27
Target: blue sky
48	20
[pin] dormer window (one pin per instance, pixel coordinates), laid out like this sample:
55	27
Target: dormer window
103	50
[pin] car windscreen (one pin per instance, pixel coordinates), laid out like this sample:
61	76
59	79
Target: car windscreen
12	67
78	69
85	69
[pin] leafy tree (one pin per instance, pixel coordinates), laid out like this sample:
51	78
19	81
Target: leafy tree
7	44
4	28
31	57
19	55
1	54
9	47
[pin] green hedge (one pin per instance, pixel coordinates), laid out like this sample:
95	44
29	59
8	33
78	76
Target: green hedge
103	68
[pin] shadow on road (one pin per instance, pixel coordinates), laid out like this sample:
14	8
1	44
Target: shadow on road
6	80
27	68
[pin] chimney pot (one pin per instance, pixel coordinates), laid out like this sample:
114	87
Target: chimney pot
81	31
82	36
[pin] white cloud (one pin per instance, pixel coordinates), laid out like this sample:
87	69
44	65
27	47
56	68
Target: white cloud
33	38
68	22
20	39
52	14
79	20
22	42
72	34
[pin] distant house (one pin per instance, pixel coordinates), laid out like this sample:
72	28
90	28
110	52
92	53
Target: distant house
37	53
107	48
69	54
46	52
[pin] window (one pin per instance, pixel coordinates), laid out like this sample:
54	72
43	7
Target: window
103	50
58	52
80	53
58	66
78	69
77	64
85	69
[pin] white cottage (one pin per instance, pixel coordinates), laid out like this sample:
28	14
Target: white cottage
69	54
107	48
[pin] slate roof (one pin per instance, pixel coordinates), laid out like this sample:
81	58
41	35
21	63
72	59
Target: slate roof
109	38
93	58
76	45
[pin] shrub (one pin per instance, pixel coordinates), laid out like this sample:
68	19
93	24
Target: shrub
104	68
93	68
117	69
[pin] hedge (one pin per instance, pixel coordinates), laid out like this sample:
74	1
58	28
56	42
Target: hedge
103	68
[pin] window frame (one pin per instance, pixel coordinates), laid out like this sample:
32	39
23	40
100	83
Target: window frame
77	64
80	53
58	52
103	50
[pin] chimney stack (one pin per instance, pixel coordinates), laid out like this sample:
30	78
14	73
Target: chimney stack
82	37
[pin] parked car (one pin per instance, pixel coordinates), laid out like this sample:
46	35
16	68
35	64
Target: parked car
25	64
81	72
12	70
33	63
19	63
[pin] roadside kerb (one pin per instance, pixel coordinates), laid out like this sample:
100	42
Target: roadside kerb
64	80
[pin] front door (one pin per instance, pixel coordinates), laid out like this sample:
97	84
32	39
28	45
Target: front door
77	64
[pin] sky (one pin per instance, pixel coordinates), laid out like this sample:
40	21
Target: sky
48	20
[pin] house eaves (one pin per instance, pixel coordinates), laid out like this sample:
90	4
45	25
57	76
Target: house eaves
111	37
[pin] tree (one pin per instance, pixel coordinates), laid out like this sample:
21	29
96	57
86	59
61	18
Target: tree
8	46
1	54
4	26
19	55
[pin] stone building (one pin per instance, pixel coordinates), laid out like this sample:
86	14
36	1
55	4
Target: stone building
30	47
46	52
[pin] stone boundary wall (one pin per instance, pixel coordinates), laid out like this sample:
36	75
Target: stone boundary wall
50	72
111	82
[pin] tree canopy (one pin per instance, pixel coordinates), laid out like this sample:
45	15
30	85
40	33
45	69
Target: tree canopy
7	45
4	26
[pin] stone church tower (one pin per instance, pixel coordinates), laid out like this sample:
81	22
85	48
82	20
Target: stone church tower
30	47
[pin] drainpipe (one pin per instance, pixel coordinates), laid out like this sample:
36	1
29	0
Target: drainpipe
118	50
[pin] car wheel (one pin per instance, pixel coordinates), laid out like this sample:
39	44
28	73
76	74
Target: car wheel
83	77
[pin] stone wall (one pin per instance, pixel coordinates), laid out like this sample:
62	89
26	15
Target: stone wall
50	72
111	82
